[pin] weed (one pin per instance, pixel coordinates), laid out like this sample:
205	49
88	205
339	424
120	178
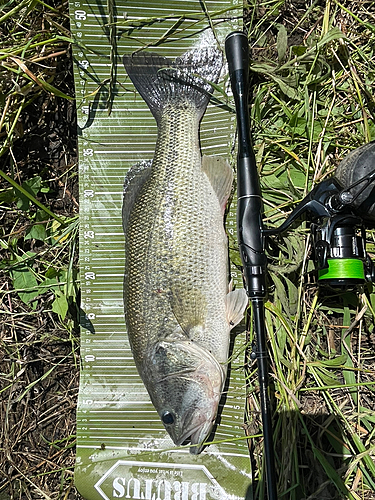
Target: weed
38	260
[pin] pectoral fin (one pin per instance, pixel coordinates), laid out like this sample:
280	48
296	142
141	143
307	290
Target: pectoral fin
189	307
236	303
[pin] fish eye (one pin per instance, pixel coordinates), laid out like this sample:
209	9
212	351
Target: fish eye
167	417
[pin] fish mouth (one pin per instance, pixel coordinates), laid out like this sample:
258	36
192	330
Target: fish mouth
196	436
197	439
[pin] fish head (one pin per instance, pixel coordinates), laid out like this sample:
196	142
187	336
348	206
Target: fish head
185	383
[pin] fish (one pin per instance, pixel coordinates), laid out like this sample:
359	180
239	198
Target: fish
178	302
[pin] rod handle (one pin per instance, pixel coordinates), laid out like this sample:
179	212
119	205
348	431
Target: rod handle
249	204
237	52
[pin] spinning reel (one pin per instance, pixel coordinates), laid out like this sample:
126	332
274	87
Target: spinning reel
339	208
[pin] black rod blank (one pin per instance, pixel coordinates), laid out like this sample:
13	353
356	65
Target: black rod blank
250	234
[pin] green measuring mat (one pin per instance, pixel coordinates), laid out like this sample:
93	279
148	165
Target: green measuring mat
123	450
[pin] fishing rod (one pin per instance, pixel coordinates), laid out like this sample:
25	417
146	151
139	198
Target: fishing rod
337	209
250	234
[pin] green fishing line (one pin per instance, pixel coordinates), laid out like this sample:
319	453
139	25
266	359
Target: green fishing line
343	269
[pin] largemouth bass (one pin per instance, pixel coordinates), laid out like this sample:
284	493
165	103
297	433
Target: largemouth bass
178	307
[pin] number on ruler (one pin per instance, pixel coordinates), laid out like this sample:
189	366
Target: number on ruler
89	358
88	234
88	152
88	193
80	15
90	276
83	64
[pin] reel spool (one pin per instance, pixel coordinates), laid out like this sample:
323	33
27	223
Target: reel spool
340	251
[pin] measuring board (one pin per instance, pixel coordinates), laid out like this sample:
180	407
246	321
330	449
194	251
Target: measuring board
123	450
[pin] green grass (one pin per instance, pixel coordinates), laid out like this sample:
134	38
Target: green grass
313	70
39	279
33	42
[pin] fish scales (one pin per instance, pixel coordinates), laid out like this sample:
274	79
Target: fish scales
176	243
176	271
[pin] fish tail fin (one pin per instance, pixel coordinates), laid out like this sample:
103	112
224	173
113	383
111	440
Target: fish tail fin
188	78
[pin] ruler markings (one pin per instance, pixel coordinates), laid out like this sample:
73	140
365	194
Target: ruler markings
94	209
180	450
108	274
106	349
111	151
135	376
94	215
109	410
132	127
109	225
118	143
139	439
106	340
111	316
113	358
112	250
137	429
123	384
112	265
127	420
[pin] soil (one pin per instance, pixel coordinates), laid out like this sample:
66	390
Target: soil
38	405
